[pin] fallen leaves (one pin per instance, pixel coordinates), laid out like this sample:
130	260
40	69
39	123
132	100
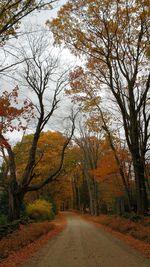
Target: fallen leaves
134	234
23	243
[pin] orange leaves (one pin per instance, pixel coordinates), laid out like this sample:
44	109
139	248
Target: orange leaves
107	167
77	73
107	173
119	194
11	113
82	90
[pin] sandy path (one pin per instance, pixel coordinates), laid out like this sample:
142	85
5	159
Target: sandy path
81	244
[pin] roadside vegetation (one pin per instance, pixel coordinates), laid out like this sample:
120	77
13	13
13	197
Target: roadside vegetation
23	236
135	226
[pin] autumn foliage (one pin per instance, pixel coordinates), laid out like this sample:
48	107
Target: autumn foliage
40	209
13	117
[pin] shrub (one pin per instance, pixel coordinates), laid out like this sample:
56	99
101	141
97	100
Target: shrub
40	210
4	203
3	219
50	200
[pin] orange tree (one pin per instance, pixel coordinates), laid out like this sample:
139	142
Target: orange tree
114	38
107	174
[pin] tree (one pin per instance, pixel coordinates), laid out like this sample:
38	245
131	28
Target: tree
39	71
90	146
49	149
47	159
13	11
109	176
114	38
83	92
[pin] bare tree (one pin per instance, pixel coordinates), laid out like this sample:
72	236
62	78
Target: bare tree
12	13
89	143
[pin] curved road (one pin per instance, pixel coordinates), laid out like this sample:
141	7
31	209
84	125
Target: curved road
82	244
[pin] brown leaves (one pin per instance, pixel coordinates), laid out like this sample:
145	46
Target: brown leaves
22	237
136	235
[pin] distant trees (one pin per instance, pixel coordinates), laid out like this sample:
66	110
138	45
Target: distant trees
97	185
114	38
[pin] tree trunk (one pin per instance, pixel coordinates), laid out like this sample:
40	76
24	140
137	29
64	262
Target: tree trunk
79	199
14	204
141	193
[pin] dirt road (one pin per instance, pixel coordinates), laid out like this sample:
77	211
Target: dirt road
81	244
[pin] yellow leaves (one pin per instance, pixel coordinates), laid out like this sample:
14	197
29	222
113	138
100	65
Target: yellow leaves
89	26
39	209
90	103
113	26
48	154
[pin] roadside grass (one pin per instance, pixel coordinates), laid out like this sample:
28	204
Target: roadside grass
25	235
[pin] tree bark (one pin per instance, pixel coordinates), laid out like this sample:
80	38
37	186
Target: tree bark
141	193
14	204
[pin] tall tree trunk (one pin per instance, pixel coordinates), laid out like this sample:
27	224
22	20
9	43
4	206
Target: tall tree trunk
79	199
15	201
74	194
141	193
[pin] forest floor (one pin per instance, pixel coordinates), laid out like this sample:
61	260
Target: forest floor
85	242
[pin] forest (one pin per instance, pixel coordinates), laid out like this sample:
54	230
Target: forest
98	160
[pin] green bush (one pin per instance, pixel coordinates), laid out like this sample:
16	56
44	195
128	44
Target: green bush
51	216
40	210
50	200
3	219
55	209
4	203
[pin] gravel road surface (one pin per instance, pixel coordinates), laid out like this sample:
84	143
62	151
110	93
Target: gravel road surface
82	244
